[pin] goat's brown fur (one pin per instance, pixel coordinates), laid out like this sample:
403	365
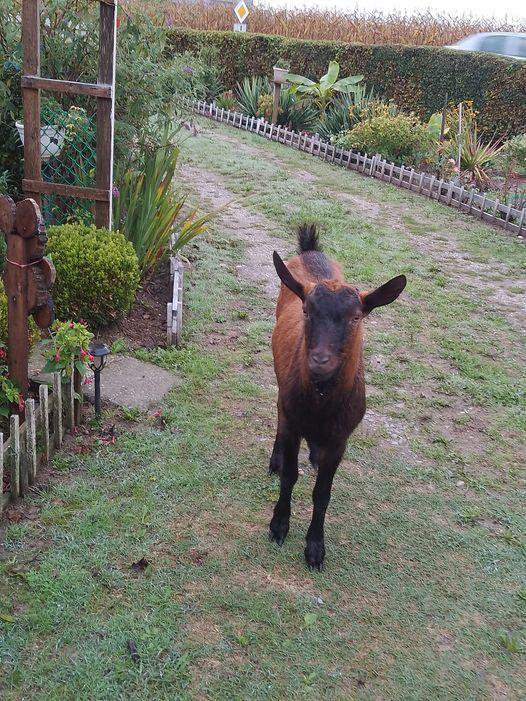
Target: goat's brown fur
326	411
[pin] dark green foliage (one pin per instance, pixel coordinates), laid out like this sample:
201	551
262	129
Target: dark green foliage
297	116
248	93
337	118
97	273
416	78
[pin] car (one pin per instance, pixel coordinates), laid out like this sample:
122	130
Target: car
508	44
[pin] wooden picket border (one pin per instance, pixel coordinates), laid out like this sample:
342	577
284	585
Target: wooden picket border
32	443
174	308
446	191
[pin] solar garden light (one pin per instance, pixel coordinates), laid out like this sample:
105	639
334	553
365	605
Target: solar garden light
99	351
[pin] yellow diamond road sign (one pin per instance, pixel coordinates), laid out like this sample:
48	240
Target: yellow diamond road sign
241	11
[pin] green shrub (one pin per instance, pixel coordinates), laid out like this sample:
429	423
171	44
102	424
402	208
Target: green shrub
97	273
416	77
34	331
400	138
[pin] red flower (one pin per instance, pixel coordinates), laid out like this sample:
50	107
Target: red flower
57	357
71	325
3	354
83	353
91	358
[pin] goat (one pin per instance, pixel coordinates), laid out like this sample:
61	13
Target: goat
317	345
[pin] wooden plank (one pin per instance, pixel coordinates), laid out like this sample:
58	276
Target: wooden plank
521	220
57	409
179	329
69	87
169	337
106	112
31	441
70	402
14	437
31	96
431	186
43	394
482	206
86	193
79	397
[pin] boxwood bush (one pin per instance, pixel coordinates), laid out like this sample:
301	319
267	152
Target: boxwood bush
97	273
397	137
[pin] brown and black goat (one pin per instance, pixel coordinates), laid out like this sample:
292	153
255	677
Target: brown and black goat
318	359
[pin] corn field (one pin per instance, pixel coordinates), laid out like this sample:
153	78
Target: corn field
420	28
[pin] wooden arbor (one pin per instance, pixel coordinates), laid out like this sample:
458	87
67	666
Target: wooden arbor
103	90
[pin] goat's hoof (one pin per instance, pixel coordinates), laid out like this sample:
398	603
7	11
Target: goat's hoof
278	530
315	555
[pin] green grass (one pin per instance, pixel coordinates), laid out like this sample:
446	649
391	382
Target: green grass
424	592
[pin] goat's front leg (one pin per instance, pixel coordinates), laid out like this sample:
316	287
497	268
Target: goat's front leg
329	459
276	459
279	525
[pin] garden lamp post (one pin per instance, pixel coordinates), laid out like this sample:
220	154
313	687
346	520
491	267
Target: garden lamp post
279	79
99	351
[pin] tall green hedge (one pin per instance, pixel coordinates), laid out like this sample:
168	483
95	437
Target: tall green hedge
416	77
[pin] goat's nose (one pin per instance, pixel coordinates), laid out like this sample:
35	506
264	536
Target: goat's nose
321	358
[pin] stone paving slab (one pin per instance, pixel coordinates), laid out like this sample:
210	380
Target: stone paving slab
128	382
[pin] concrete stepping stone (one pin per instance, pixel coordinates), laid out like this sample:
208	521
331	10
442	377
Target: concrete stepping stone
128	382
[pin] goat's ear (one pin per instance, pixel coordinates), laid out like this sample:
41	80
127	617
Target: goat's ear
287	278
384	295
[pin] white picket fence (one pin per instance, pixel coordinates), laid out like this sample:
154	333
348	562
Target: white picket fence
464	199
31	443
174	308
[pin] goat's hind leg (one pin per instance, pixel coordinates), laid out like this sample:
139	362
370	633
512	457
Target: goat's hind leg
279	524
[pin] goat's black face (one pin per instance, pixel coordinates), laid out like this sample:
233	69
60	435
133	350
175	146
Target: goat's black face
332	314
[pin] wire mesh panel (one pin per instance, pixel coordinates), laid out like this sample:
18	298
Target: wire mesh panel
68	147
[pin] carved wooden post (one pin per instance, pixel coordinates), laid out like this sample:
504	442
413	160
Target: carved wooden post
27	279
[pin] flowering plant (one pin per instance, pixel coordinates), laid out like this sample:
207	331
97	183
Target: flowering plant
9	392
68	347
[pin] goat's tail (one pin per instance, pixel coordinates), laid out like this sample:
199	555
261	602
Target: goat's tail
308	238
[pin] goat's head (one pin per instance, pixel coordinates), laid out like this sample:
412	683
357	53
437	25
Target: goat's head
333	315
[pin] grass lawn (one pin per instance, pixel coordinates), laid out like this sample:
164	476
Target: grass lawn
424	593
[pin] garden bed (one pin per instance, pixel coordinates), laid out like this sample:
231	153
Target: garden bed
145	325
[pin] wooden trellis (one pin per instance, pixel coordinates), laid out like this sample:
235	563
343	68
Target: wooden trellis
103	91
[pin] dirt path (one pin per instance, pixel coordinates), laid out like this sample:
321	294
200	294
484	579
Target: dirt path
241	222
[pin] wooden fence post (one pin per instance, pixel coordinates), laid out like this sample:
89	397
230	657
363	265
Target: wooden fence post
43	394
57	409
31	96
14	434
31	441
105	110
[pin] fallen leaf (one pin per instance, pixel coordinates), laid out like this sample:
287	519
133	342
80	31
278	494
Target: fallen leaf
140	565
7	618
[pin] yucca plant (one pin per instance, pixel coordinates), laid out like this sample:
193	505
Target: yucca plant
476	157
148	211
248	93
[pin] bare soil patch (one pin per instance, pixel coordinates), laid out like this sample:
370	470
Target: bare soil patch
145	325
